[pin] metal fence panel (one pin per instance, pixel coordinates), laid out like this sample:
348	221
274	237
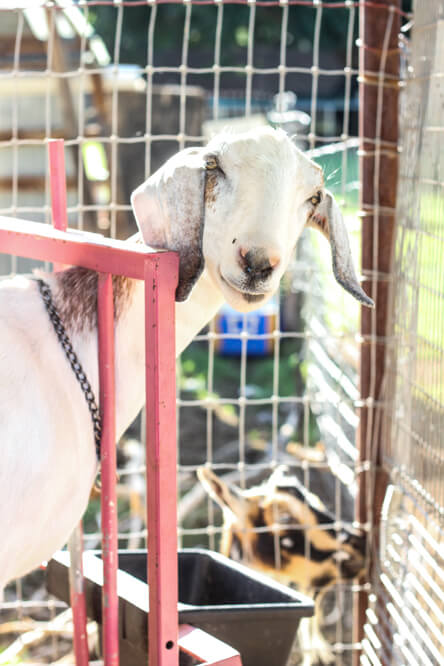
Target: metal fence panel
61	82
405	620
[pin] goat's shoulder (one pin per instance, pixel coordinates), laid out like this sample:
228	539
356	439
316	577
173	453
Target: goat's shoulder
20	304
14	285
76	296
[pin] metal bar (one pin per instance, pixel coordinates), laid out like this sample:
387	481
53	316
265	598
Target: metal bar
57	179
40	241
110	601
160	286
378	123
206	648
77	597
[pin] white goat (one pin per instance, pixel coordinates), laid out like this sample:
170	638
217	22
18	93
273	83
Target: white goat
255	192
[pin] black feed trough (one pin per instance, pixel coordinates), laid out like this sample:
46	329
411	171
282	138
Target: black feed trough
252	613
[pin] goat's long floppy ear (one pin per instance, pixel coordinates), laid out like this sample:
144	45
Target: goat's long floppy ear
219	491
169	209
327	218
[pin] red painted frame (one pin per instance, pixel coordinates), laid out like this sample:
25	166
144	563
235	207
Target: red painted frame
159	270
108	504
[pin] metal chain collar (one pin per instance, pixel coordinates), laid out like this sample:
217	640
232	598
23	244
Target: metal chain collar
45	292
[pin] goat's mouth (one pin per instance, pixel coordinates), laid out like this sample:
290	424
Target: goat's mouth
248	296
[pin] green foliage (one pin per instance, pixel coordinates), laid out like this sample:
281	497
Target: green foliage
169	29
260	374
226	373
90	517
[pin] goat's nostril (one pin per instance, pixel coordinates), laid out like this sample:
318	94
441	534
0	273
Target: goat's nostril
266	272
244	258
257	261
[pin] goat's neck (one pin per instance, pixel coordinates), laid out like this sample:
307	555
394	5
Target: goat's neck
191	317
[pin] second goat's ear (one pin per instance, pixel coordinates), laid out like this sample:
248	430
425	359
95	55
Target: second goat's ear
328	219
220	492
169	209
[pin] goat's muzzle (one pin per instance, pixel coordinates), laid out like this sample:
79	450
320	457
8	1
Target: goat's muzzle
357	542
352	567
354	564
247	288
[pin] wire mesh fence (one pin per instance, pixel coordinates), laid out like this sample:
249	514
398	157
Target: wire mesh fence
127	84
405	621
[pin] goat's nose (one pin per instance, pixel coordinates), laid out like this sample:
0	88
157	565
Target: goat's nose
258	261
356	541
352	566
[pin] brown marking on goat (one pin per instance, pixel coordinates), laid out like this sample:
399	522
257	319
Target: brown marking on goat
260	520
280	512
299	571
257	548
76	297
283	509
210	187
319	222
284	516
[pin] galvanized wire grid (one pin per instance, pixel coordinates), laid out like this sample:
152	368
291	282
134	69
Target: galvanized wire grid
72	89
406	620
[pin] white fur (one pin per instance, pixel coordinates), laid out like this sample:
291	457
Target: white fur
47	457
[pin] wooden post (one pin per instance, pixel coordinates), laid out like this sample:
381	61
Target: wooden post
378	131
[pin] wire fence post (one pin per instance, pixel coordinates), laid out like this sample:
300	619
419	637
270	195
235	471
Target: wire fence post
378	131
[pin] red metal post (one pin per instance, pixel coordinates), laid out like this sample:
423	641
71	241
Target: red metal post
57	176
160	285
110	601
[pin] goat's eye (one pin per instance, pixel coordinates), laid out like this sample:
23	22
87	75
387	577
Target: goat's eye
287	542
211	163
316	198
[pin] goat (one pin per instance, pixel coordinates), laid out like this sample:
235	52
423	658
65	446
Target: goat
285	531
233	211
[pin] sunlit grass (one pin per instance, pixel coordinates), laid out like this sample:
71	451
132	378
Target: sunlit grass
420	319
